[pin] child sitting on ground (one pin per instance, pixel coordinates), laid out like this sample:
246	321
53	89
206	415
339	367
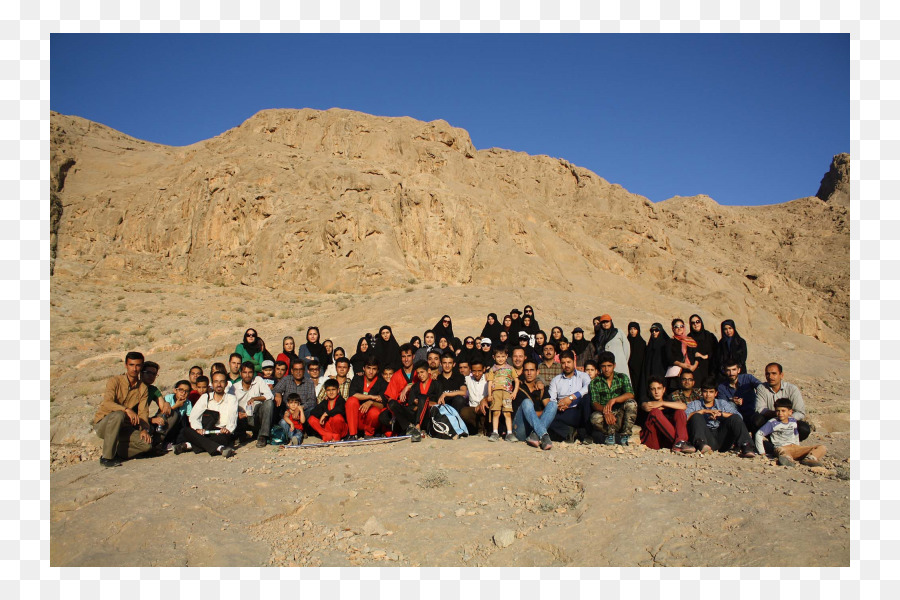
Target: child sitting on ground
782	433
293	420
503	386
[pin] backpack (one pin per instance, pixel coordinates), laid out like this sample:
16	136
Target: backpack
277	436
443	422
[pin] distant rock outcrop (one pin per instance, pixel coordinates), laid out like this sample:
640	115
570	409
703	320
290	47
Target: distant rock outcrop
339	200
835	185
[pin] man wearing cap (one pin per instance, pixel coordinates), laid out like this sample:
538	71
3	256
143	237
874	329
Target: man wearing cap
608	338
256	404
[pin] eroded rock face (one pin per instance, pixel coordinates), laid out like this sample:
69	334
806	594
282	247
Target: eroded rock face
339	200
835	185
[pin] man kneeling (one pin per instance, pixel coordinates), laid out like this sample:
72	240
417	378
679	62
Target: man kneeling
715	423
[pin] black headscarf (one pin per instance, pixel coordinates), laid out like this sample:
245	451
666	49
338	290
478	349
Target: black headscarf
387	352
440	330
578	346
492	331
603	336
706	344
636	357
253	348
316	349
531	328
534	321
655	361
734	347
553	340
466	353
358	360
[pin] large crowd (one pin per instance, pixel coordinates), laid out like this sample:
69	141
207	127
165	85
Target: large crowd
688	392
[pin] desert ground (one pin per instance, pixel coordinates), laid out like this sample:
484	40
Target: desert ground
438	503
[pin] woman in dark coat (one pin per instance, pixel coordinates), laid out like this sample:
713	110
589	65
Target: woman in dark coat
636	358
363	352
731	346
444	328
655	358
492	328
706	350
387	350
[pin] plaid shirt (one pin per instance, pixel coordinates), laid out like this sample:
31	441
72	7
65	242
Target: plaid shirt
601	393
306	390
546	374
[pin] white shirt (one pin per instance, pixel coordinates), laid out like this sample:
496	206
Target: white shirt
227	408
258	387
477	390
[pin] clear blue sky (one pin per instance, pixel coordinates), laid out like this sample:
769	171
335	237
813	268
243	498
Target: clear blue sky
746	119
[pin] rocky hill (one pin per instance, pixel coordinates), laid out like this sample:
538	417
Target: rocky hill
343	201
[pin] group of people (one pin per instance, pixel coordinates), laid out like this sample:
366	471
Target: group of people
688	392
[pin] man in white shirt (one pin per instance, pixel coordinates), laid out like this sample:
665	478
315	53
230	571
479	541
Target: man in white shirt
256	404
215	410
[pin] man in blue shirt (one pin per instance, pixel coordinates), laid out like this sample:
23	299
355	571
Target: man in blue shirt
714	423
570	391
739	389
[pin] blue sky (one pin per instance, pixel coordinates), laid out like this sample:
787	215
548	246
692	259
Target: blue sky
746	119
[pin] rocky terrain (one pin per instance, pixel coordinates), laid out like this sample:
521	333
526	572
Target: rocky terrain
348	222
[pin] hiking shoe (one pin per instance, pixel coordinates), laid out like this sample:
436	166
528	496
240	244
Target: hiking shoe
227	451
179	448
109	462
785	461
261	442
546	443
510	438
623	440
683	447
610	440
494	437
533	440
809	461
416	435
747	451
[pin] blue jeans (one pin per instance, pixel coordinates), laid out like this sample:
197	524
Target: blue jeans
527	420
294	437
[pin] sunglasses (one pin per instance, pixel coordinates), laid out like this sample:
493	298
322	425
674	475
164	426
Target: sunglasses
695	322
654	331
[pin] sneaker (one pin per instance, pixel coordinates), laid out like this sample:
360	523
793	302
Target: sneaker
494	437
170	447
533	440
352	438
588	439
810	461
262	442
785	461
546	444
610	440
416	435
179	448
683	447
510	438
623	440
109	462
747	451
227	451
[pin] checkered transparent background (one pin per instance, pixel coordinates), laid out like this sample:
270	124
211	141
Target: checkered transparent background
25	28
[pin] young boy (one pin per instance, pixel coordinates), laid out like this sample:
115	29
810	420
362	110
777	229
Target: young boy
503	386
327	418
293	420
268	373
782	433
423	393
387	373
